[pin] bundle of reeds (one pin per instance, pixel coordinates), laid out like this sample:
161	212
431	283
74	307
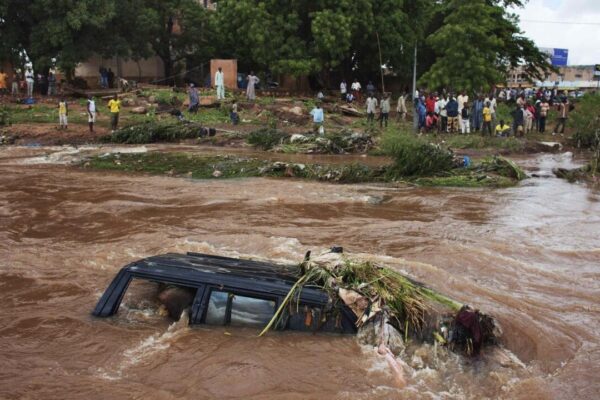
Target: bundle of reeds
368	289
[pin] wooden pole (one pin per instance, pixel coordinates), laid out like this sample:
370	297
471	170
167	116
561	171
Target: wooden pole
380	64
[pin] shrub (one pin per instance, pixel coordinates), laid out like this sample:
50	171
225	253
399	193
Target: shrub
4	116
151	132
266	138
413	156
586	121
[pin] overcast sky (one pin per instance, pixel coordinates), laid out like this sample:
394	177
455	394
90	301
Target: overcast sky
583	41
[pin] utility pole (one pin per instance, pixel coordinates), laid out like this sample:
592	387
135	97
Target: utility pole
414	90
380	64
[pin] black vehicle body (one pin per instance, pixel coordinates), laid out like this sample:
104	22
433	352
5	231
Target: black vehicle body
213	278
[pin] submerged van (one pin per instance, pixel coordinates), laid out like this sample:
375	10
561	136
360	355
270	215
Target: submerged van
228	291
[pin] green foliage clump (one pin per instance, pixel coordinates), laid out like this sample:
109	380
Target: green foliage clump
266	138
4	116
152	132
586	121
414	156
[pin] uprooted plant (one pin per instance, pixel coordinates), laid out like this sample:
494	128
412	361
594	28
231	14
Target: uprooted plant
380	296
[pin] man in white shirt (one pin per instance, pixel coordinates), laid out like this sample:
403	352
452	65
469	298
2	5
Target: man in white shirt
356	89
493	105
343	90
220	84
91	109
440	109
29	80
371	108
461	99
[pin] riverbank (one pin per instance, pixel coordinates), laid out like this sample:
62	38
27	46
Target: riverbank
497	172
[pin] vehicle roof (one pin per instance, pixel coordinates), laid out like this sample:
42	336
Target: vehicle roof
193	269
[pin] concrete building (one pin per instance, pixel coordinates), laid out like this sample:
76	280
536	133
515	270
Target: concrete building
569	77
146	70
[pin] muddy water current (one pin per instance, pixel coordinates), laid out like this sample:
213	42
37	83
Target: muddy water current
530	255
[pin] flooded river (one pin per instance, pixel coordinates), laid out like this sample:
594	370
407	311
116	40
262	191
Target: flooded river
529	255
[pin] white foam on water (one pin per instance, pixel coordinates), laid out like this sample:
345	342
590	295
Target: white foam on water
146	349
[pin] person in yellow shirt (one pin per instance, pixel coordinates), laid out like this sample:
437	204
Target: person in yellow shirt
487	119
63	111
502	129
3	87
115	107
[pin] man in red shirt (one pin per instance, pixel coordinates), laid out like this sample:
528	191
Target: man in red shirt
430	104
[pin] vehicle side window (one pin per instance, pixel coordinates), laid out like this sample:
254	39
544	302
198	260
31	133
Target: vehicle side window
217	308
250	311
226	308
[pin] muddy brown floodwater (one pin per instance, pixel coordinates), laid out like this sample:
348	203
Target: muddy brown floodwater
529	255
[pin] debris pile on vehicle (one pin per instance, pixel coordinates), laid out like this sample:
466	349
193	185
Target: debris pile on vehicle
391	308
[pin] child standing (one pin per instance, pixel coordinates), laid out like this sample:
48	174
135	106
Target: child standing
235	119
487	119
63	111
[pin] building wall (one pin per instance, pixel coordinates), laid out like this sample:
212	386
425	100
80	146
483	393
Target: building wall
229	68
565	74
149	69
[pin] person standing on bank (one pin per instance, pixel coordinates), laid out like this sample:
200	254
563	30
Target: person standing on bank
343	90
15	84
251	88
371	108
63	112
194	99
401	108
385	110
91	110
563	115
29	80
220	84
544	107
318	119
115	107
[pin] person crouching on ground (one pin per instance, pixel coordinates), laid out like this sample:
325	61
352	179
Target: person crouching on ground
114	106
63	111
91	110
384	110
502	129
318	118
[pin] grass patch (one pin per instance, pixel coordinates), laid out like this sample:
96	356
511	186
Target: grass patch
209	116
473	141
466	181
152	132
179	164
414	156
266	138
204	167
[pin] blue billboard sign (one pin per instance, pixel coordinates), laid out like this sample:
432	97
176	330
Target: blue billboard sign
560	57
557	57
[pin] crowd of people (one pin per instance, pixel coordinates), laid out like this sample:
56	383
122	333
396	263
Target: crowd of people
448	112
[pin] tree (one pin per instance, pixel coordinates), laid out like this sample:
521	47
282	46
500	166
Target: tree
303	37
68	30
476	45
174	30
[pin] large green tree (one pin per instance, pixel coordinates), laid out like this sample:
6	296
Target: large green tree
174	30
477	43
304	37
69	30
